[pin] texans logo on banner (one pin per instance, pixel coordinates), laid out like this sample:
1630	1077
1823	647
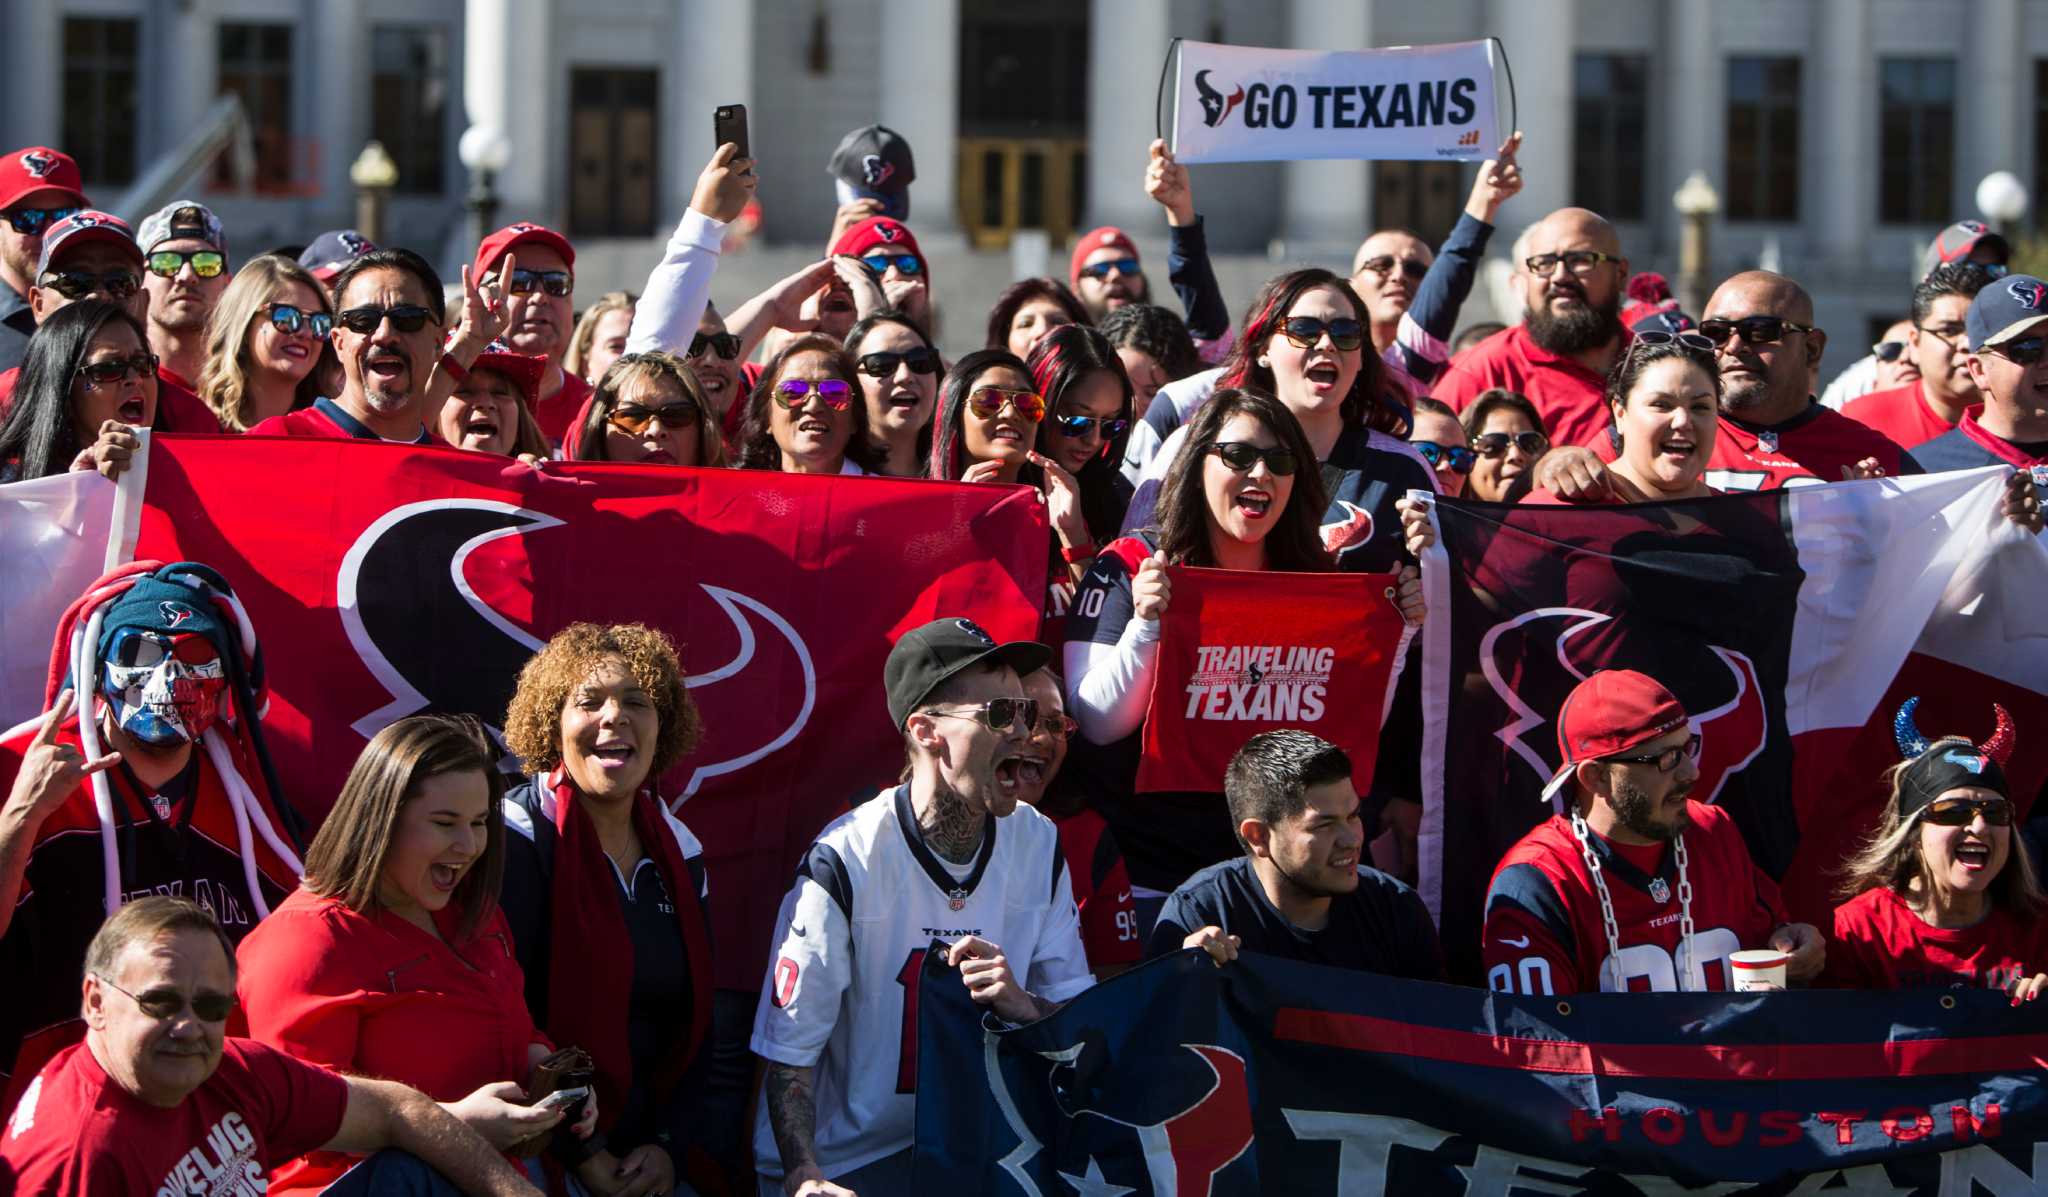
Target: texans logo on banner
402	580
1215	105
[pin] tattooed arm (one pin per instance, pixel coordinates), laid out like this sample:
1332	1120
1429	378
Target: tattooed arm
793	1119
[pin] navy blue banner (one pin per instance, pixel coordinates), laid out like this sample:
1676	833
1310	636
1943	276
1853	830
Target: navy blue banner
1268	1076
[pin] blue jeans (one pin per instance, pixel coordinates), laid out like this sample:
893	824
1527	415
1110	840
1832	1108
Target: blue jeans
392	1171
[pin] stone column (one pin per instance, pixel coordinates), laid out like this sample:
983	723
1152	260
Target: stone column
36	31
340	50
1329	202
1844	131
713	65
1127	40
1991	107
1538	39
1696	112
512	79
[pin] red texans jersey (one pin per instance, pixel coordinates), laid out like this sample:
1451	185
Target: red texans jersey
1879	943
1900	413
1102	890
1806	450
1544	932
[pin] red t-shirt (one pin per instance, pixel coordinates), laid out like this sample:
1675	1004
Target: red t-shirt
1879	943
557	413
77	1132
1900	413
1565	392
1102	890
376	996
1544	932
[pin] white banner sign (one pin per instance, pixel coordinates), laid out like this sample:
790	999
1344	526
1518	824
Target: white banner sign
1249	104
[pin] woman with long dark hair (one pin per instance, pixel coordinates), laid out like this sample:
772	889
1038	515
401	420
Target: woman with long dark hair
1087	421
806	414
899	377
89	378
1242	493
1027	310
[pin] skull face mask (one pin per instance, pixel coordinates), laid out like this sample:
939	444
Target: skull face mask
165	688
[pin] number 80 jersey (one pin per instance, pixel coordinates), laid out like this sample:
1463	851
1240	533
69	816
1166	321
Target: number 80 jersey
850	939
1544	933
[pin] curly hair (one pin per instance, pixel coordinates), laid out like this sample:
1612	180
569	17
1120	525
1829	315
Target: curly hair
533	723
1157	332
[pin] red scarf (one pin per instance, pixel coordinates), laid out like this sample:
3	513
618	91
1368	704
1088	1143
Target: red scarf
590	973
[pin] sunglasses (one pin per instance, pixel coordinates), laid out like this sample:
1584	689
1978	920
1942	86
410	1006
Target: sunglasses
725	345
1578	261
1057	725
988	403
166	1004
633	419
206	263
998	714
1413	268
554	282
108	371
1241	456
2021	351
1668	759
907	264
792	393
1128	267
883	365
30	222
1305	331
405	317
1460	457
1888	351
1961	812
1755	330
1494	444
290	320
77	284
1078	426
1996	270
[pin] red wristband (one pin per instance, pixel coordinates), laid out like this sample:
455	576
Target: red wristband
1079	554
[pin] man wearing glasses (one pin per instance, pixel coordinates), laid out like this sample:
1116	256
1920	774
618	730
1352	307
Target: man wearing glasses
2007	329
185	257
536	280
387	333
38	187
1917	409
158	1099
1635	887
1572	275
949	854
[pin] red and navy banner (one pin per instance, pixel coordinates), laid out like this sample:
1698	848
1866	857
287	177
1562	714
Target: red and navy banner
1790	624
386	580
1271	1076
1243	652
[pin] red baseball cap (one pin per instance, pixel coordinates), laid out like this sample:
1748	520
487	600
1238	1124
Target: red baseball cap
524	369
497	243
885	231
1610	713
36	168
1107	237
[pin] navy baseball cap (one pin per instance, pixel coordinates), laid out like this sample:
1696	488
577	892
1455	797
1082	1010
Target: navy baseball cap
925	657
874	162
331	251
2006	309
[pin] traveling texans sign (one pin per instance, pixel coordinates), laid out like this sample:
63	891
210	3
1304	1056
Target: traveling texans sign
1249	104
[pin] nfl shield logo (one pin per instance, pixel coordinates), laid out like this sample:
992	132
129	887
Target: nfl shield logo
1659	892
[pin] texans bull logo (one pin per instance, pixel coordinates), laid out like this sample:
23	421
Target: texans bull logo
38	164
423	630
1353	529
1215	105
875	170
2028	292
1535	659
1191	1115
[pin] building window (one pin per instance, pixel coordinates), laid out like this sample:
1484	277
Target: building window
256	64
1917	128
1610	120
100	97
1763	139
2040	195
409	102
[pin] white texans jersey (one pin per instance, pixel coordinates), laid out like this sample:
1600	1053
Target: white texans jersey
850	941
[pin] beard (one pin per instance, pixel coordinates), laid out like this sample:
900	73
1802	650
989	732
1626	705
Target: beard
1578	330
1635	809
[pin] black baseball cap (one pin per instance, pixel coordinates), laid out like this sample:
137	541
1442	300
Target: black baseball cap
874	162
925	657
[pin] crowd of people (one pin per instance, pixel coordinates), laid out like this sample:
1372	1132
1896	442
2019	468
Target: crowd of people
463	980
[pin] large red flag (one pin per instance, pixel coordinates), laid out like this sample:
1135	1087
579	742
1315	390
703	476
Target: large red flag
385	580
1243	652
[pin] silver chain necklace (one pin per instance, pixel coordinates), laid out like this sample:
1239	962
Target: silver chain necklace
1613	983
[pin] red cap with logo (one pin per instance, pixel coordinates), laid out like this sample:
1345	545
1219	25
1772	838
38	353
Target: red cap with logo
511	235
1608	714
888	233
39	168
1107	237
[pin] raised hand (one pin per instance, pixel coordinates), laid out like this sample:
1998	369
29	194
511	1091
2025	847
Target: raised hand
1499	180
725	185
1166	181
51	771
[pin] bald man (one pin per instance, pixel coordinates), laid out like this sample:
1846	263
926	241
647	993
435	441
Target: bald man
1571	280
1773	432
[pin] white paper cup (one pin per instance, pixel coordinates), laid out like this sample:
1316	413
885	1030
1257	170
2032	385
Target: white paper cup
1761	969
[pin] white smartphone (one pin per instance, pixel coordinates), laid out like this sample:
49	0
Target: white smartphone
562	1099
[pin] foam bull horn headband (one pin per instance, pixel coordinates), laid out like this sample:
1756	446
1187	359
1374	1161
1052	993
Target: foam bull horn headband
1930	772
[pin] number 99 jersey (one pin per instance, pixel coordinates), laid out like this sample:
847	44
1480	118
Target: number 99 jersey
1544	933
850	939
